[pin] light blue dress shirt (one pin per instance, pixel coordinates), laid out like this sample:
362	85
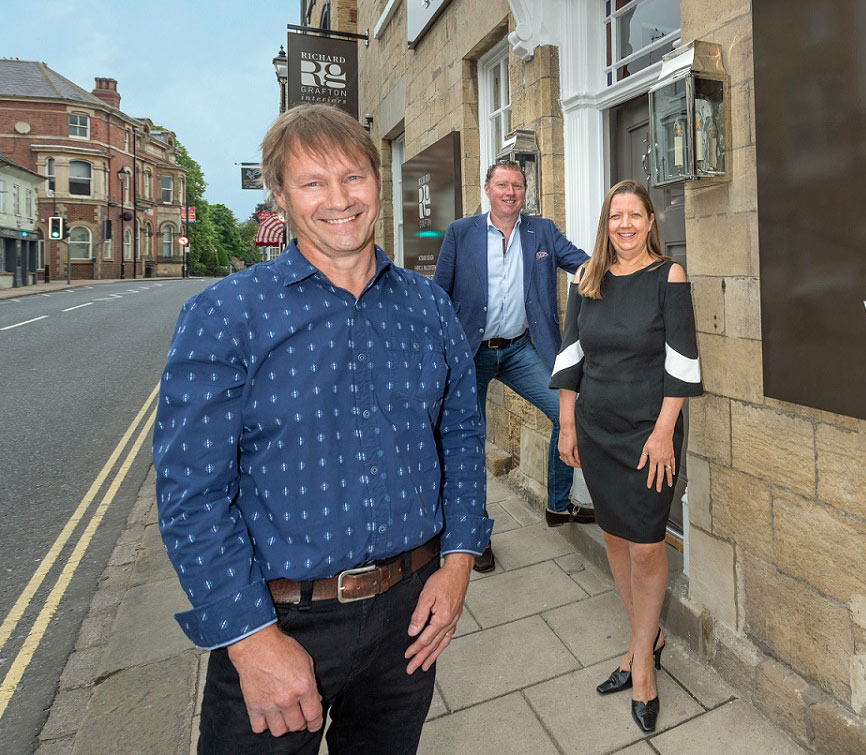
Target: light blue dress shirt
506	312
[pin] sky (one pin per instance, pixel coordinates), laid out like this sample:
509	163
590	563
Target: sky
202	69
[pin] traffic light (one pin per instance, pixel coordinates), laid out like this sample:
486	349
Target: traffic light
55	228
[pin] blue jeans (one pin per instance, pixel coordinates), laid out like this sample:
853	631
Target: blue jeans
520	368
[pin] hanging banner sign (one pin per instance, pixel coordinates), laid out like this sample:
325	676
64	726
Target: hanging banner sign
324	70
187	214
432	200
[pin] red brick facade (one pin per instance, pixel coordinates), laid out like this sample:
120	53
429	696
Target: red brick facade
37	130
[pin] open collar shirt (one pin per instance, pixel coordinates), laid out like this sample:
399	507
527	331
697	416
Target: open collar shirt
302	432
506	312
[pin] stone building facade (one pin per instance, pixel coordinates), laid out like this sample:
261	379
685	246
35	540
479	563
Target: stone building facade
89	150
18	244
773	526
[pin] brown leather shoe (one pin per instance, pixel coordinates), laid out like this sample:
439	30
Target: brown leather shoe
579	514
485	562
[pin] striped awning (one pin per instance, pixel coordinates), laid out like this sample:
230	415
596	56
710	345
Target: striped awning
270	231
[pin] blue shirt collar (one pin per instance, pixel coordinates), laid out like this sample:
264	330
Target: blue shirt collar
294	267
490	222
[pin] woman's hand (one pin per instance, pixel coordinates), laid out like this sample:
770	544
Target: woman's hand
567	446
657	456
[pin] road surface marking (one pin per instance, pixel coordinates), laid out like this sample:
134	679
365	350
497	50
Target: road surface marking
26	322
40	626
133	291
116	296
45	294
103	298
77	306
11	621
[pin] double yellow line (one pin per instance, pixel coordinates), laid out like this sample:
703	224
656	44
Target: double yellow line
34	638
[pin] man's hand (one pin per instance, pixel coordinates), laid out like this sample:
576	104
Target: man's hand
277	682
439	607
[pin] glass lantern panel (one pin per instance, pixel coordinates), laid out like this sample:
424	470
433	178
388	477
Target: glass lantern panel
710	158
671	133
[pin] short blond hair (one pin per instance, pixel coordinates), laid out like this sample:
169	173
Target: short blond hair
318	129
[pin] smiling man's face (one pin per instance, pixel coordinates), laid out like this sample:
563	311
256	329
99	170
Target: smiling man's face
332	202
506	192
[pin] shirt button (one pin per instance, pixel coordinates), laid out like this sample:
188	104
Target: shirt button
382	528
374	470
366	414
361	357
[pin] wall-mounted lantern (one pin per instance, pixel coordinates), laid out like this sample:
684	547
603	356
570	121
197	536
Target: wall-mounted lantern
520	147
690	129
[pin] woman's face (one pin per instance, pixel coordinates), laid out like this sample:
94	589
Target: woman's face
628	225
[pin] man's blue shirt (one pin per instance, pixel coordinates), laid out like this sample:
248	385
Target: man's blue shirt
506	312
302	432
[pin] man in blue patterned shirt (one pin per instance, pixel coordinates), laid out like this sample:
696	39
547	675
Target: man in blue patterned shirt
318	438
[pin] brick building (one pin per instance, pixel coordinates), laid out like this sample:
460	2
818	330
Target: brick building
113	178
776	489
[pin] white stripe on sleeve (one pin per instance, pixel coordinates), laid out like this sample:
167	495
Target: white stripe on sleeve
568	357
681	367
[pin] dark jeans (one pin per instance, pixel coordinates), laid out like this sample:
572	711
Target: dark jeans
375	706
520	368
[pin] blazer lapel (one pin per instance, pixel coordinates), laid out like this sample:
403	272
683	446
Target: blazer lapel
529	245
479	246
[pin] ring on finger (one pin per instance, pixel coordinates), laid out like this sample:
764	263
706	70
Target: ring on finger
668	466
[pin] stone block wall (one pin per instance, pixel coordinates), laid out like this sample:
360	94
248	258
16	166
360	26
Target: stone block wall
435	88
777	491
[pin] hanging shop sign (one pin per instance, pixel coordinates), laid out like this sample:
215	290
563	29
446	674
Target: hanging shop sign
251	176
420	15
811	160
432	200
323	69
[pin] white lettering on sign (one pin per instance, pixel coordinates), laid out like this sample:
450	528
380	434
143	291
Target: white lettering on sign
321	74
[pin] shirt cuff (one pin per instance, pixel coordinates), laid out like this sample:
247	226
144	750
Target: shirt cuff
469	534
229	619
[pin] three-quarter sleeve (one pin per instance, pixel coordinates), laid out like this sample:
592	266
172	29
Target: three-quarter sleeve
682	368
568	367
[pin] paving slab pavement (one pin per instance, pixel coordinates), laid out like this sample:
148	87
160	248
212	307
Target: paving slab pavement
536	637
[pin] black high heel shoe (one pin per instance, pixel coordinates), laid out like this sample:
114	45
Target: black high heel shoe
621	679
645	714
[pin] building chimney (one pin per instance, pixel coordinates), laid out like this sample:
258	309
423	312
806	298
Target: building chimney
106	90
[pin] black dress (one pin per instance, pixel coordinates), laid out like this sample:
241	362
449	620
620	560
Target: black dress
623	354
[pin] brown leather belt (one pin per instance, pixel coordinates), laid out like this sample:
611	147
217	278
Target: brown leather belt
360	583
498	343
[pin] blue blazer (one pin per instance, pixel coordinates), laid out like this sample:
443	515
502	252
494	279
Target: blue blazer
462	271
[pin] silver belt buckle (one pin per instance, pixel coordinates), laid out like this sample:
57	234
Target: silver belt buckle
352	572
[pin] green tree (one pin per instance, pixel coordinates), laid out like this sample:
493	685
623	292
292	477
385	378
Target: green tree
202	233
250	253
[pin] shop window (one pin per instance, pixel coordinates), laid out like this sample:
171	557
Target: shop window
638	33
494	103
49	173
79	126
79	243
80	178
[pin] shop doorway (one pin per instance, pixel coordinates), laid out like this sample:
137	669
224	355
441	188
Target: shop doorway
629	140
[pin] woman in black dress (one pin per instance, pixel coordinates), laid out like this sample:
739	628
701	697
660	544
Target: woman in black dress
628	360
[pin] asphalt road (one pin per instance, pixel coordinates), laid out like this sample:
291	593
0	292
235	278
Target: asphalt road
75	369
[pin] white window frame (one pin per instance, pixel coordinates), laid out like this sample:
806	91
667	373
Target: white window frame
28	203
2	195
167	230
126	140
78	178
148	184
615	14
127	244
85	126
162	189
126	180
51	176
398	157
148	234
496	58
72	232
106	249
16	200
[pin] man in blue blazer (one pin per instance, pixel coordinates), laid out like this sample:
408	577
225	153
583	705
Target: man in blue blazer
499	269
